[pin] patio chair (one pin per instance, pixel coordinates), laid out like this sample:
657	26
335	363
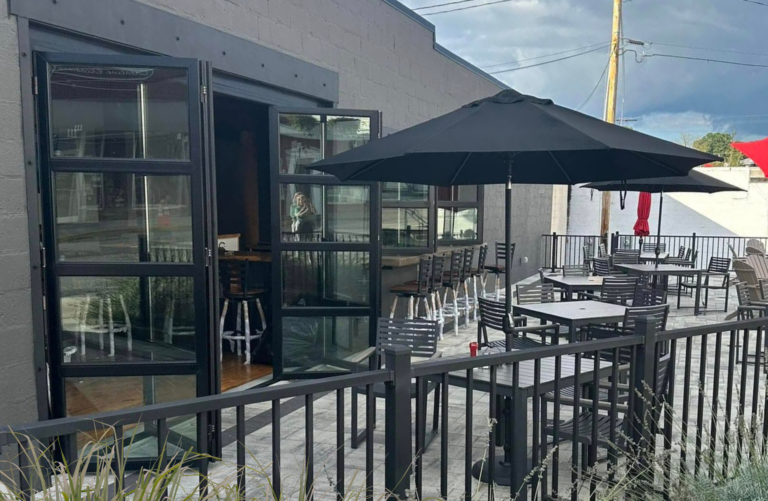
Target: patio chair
499	268
575	270
533	294
734	255
683	258
601	251
586	257
651	247
616	290
602	266
759	263
418	334
647	296
478	275
625	258
515	330
750	307
756	247
453	280
719	268
467	302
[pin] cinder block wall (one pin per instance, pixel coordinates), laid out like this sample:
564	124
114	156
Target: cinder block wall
17	378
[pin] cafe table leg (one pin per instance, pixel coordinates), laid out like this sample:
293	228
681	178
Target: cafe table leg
697	310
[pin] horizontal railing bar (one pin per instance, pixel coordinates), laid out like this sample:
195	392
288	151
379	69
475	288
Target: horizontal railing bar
712	329
70	425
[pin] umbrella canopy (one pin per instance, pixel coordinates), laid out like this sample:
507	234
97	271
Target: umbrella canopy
694	182
757	151
643	213
549	144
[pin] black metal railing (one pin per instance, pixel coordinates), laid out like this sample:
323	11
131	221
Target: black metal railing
562	250
706	421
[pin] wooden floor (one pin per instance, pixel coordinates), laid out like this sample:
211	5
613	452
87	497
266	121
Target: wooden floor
235	374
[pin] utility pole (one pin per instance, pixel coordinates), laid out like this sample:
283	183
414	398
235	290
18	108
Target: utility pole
610	103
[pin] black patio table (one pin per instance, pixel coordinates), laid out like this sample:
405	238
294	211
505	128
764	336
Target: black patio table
574	314
667	270
516	432
573	284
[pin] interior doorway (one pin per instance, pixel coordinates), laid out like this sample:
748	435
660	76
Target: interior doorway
241	131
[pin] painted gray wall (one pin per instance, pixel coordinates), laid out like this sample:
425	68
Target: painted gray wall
17	378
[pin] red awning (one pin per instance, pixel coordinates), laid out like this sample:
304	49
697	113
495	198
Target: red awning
757	151
643	212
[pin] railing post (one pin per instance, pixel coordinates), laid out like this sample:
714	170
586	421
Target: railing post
554	251
644	385
397	441
693	246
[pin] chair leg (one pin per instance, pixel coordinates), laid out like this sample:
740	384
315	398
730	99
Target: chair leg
727	290
247	333
101	323
262	317
238	328
221	329
128	331
455	312
393	308
427	311
436	409
410	307
84	323
466	303
475	296
111	328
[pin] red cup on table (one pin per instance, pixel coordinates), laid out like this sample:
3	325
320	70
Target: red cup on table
473	349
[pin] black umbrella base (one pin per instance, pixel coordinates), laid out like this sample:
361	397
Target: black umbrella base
502	473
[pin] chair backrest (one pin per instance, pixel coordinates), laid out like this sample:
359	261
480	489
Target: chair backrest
651	247
759	263
745	273
626	258
719	264
424	275
455	267
602	266
663	372
534	294
585	252
491	314
744	294
234	276
688	254
601	252
618	290
469	258
681	252
418	334
501	253
482	256
575	270
658	315
438	268
755	246
646	296
763	289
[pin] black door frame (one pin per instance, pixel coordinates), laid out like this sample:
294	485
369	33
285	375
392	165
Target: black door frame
197	270
278	246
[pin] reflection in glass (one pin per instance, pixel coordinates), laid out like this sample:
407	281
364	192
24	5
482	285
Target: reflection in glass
404	192
300	143
122	217
456	223
321	343
466	193
344	133
405	227
332	279
119	112
126	319
91	395
325	213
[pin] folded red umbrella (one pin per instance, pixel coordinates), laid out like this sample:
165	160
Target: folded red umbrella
757	151
643	212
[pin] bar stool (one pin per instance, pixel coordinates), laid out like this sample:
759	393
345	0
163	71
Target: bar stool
110	327
415	290
467	302
479	275
499	268
236	287
435	284
452	281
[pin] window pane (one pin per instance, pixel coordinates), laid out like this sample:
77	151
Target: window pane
91	395
127	319
119	112
313	278
120	217
405	227
300	143
404	192
345	133
318	343
457	193
456	224
331	213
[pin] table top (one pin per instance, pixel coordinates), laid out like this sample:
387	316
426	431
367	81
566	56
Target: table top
574	311
575	281
647	256
505	377
662	269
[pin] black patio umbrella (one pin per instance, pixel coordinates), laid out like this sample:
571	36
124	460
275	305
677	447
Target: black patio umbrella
694	182
513	138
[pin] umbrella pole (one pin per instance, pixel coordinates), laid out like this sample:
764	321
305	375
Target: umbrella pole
508	244
658	229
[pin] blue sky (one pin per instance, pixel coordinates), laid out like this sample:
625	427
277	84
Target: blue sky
668	97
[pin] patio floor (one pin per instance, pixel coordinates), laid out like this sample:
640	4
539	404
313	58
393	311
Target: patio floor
258	420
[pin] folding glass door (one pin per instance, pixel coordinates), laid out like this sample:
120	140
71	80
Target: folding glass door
325	238
127	287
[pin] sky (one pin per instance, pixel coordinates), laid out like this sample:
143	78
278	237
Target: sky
668	97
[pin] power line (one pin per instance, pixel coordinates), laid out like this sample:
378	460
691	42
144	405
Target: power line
442	4
546	55
763	54
722	61
594	89
757	3
465	8
546	62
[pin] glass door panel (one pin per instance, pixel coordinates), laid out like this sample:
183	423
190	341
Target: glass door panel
325	242
124	225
